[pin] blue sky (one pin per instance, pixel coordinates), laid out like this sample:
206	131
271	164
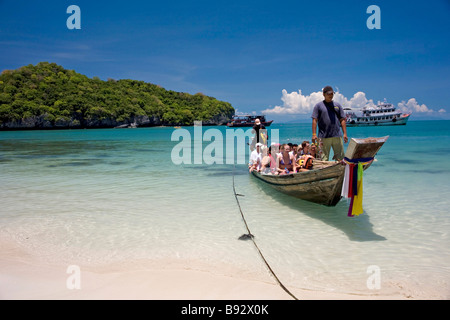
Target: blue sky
274	56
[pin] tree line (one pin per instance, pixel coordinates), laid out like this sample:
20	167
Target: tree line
59	96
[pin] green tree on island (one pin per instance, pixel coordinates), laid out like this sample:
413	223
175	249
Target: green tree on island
48	96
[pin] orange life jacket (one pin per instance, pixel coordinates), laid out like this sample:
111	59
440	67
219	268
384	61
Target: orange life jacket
306	161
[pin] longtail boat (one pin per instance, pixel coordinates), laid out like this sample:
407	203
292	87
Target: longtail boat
323	183
247	120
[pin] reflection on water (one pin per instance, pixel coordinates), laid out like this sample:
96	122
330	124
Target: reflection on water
356	228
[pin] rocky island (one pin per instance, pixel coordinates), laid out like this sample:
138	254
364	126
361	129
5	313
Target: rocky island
47	96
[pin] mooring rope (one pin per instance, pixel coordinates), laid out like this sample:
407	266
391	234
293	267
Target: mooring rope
252	237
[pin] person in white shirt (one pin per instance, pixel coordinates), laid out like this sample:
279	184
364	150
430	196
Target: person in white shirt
255	158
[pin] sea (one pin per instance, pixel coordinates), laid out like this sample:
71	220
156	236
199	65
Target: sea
143	198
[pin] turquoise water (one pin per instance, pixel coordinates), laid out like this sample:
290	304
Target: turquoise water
100	198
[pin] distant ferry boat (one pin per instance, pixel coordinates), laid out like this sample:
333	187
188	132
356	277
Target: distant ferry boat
384	114
247	120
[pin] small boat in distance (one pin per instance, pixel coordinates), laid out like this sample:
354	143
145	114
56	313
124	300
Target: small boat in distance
127	125
384	114
246	120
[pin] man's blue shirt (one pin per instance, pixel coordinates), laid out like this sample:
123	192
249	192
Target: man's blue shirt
329	124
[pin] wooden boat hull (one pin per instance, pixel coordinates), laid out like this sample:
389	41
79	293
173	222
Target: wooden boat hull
323	184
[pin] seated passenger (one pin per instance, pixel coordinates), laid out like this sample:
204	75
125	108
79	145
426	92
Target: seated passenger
313	151
294	150
265	165
305	148
286	161
255	158
269	164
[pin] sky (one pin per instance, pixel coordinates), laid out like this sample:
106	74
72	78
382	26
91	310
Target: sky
271	57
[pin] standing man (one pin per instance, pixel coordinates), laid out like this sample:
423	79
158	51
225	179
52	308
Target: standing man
260	132
260	127
330	116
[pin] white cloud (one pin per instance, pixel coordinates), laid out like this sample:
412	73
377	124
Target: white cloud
413	106
359	100
297	103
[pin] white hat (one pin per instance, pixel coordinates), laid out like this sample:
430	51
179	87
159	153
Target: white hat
259	144
257	121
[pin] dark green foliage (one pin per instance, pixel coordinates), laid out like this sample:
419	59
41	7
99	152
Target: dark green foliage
57	95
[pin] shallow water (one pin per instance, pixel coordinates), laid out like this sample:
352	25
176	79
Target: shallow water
100	197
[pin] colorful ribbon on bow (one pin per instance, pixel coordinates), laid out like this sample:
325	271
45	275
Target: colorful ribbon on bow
352	186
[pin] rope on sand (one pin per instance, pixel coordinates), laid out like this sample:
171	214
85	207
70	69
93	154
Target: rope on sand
250	236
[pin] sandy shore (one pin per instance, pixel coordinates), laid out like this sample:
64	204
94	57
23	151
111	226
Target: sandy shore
20	280
23	276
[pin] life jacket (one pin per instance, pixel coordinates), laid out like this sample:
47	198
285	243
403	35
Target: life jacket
262	138
306	162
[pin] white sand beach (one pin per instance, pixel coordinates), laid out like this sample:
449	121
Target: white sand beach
23	277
